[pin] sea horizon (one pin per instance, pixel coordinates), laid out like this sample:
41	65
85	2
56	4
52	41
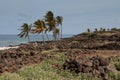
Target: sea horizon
13	39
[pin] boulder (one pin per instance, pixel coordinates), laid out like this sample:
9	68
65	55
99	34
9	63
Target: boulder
87	69
104	62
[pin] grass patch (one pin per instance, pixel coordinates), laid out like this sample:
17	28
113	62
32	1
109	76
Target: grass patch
13	76
114	76
117	66
46	70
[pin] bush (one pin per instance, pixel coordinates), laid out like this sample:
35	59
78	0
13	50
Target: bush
93	35
113	76
117	65
115	29
85	34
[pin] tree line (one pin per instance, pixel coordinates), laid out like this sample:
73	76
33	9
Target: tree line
103	30
49	23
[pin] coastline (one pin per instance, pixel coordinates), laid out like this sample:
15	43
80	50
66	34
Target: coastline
4	48
13	40
81	49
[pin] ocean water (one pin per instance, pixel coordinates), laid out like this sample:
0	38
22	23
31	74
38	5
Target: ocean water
6	40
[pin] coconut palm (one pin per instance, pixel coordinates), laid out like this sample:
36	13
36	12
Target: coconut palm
25	31
96	30
56	33
45	30
59	20
39	28
88	30
46	33
50	21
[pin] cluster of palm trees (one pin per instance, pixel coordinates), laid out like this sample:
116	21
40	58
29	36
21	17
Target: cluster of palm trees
48	24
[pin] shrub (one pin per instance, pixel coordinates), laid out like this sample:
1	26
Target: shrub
113	76
117	65
115	29
85	34
93	35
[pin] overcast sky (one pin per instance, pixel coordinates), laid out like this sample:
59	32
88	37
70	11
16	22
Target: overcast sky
78	14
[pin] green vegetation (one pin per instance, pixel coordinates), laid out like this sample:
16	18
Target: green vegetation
59	20
113	76
52	22
88	30
39	27
90	35
117	65
48	69
25	31
9	76
56	33
51	69
93	35
115	29
48	24
102	32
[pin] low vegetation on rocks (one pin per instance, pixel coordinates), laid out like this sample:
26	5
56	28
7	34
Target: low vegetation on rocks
81	57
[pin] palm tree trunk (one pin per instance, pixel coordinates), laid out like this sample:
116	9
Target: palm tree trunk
61	31
47	36
28	38
43	37
54	36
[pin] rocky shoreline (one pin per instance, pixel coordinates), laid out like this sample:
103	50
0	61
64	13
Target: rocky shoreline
77	49
4	48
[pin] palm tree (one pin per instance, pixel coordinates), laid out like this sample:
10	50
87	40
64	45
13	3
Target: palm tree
25	31
45	30
101	29
59	20
50	21
39	28
56	33
96	30
88	30
46	33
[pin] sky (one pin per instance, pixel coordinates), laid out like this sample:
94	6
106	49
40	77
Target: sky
78	15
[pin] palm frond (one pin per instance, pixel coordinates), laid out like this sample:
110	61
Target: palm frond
25	30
